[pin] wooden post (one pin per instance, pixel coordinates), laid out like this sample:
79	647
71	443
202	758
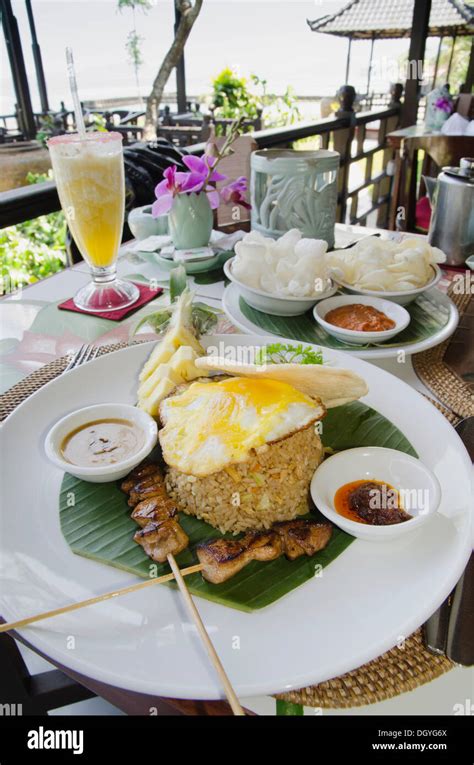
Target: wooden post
386	187
180	69
37	59
26	118
393	152
416	55
451	59
369	73
469	84
435	74
348	61
342	142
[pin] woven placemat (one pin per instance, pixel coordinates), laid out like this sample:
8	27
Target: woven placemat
19	392
433	371
399	670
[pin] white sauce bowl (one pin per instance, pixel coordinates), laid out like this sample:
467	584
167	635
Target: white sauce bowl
81	417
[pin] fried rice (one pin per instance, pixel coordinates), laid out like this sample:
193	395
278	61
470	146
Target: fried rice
272	485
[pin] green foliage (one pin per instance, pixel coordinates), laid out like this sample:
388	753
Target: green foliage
132	45
459	64
233	98
50	125
143	5
96	123
278	111
48	128
134	40
33	249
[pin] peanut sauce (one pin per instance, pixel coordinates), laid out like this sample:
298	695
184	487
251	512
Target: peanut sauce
362	318
373	502
102	442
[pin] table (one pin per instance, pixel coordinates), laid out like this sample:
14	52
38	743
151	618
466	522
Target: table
33	332
439	150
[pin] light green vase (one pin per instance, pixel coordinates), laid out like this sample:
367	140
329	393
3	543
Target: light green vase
294	189
190	221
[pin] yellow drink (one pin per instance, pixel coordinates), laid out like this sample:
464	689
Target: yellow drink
89	175
90	179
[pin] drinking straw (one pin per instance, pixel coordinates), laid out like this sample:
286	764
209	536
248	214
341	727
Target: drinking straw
81	128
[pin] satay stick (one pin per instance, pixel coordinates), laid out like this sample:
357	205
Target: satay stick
229	691
98	598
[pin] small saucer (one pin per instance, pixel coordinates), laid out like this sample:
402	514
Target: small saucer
197	267
418	487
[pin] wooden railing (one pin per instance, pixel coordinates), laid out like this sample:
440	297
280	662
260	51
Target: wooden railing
345	133
348	136
358	138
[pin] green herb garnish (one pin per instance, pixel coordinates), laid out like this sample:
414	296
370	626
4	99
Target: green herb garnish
285	353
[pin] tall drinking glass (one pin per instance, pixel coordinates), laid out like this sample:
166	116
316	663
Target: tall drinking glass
89	175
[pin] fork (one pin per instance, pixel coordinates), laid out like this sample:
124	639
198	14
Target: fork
83	354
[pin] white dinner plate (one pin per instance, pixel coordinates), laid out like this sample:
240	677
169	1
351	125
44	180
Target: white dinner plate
367	600
230	304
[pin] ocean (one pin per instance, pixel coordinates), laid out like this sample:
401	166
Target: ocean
264	37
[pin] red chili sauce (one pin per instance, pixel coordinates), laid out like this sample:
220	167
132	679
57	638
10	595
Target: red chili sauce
362	318
373	502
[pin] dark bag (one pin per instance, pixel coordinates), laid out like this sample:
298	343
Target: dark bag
144	166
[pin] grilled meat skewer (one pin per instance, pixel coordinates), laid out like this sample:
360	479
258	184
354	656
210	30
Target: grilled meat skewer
302	537
223	558
154	509
150	487
160	533
160	538
144	482
139	474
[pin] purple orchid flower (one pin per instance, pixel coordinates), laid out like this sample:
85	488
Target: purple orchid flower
203	168
197	180
234	193
444	104
173	183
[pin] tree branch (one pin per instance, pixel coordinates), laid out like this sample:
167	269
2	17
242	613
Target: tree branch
189	14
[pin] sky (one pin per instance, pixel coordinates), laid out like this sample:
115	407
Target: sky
269	38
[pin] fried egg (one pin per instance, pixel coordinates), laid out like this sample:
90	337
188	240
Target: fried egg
214	424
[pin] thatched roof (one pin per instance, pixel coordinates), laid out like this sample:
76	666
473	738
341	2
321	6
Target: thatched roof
367	19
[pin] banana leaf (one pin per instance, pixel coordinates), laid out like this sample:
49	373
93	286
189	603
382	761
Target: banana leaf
427	318
96	523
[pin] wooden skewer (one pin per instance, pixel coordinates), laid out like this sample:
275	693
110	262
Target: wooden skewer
99	598
229	691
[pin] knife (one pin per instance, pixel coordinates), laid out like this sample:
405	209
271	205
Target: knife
450	629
